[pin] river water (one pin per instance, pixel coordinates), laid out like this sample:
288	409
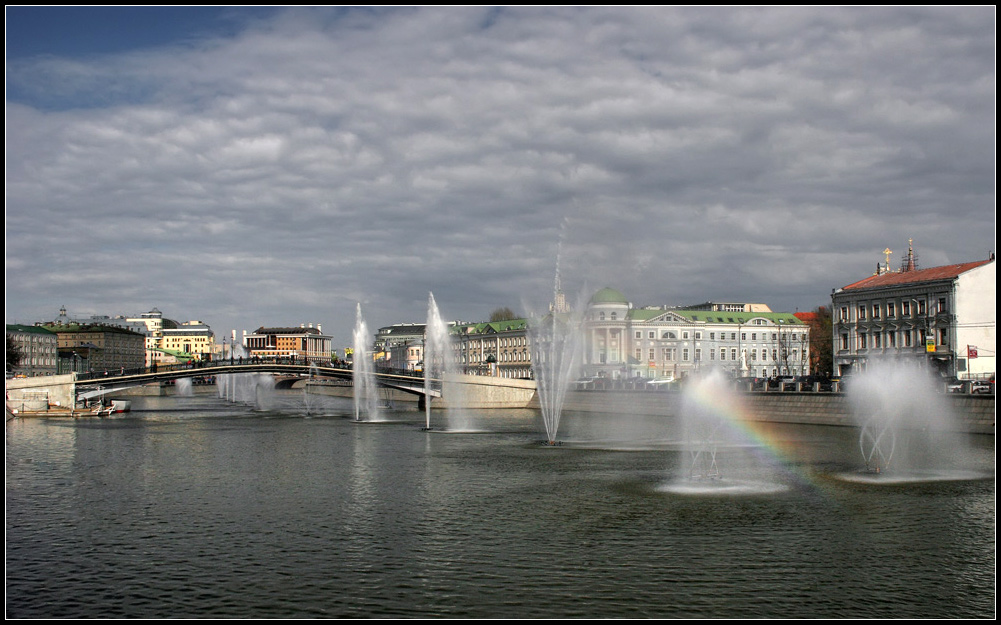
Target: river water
195	507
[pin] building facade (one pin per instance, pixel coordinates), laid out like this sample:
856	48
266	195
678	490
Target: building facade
304	343
192	339
167	341
943	317
38	349
98	348
495	348
744	340
399	347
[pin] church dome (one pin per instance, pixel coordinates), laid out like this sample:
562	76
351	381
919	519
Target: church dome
609	296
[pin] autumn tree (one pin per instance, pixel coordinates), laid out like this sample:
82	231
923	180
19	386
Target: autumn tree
821	341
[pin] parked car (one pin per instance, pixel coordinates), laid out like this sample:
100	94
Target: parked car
982	387
755	384
954	385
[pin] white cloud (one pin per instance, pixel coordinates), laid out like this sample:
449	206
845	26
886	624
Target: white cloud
333	156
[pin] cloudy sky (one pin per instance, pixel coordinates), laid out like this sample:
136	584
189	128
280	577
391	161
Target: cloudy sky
251	167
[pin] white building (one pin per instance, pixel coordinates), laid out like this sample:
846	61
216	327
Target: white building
943	316
670	343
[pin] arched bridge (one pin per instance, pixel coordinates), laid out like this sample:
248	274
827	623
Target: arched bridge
83	386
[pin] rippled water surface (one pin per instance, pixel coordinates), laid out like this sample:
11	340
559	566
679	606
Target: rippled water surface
192	507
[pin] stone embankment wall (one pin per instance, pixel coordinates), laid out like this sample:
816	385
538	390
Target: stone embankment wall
41	392
972	413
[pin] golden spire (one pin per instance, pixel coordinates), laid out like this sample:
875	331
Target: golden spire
887	252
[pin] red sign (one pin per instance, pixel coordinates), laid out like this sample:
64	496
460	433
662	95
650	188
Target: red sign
971	351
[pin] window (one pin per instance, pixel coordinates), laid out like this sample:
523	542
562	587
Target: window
650	335
712	336
698	336
907	338
875	311
639	334
844	341
733	336
722	353
684	335
652	355
698	355
921	307
844	313
942	308
863	340
615	316
876	336
905	309
861	312
684	354
743	336
733	353
891	310
754	336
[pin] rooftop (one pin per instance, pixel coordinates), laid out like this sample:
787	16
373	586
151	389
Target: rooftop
932	274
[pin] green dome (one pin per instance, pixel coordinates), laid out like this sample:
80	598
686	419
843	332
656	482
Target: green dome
609	296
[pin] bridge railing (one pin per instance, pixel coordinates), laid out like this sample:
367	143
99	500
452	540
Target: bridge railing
86	376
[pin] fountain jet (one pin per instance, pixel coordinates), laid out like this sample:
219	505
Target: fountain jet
366	398
556	350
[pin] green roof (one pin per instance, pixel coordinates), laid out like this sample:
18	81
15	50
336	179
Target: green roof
506	325
16	327
609	295
712	316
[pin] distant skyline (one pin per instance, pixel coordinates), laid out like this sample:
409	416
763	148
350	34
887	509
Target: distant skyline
272	166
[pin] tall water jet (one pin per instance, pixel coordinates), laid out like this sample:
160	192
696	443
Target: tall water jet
183	387
442	375
556	351
717	458
906	425
363	376
705	403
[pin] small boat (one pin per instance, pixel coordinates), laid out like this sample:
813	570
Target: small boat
120	405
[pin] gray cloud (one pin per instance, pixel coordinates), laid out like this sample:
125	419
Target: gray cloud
326	157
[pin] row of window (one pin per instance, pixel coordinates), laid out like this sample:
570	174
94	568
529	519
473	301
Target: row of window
515	356
670	354
893	339
685	335
888	310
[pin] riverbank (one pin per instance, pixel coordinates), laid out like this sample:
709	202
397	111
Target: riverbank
972	413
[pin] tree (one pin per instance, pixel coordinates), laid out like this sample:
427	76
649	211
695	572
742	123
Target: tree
821	342
14	354
503	314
